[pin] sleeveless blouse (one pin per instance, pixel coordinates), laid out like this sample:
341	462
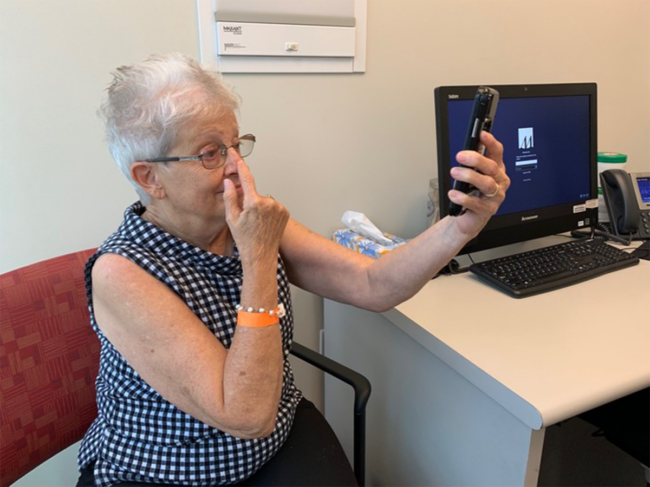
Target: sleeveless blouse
138	435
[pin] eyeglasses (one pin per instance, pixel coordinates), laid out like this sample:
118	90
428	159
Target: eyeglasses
212	158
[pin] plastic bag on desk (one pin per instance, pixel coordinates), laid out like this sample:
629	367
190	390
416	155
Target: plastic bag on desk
364	237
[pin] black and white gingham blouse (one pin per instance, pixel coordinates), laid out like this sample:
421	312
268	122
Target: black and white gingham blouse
138	435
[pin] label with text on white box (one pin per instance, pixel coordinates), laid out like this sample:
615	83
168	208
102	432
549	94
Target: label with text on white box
252	39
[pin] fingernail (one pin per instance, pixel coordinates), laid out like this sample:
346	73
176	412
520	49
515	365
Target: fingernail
461	157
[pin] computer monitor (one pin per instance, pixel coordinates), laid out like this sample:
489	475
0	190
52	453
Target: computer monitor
550	152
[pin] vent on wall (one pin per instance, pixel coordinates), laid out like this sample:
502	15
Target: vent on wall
283	36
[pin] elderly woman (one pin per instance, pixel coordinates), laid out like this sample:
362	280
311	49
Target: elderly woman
190	296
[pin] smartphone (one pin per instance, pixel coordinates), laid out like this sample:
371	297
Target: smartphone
483	111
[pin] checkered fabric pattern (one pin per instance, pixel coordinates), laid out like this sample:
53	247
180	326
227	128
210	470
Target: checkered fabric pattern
48	362
138	435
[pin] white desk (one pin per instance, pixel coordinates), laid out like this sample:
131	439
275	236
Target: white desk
466	379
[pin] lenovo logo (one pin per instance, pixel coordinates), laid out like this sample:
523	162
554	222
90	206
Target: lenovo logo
453	97
527	218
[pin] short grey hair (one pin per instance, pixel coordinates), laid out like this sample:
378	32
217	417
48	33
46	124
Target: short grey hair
149	102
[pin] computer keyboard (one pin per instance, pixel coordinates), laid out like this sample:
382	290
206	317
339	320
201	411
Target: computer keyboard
553	267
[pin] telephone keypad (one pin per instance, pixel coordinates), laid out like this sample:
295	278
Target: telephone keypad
644	228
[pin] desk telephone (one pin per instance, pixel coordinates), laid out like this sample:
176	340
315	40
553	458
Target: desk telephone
627	197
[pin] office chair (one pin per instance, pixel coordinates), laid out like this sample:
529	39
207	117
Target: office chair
49	357
625	423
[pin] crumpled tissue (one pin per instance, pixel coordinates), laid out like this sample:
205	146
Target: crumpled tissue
361	235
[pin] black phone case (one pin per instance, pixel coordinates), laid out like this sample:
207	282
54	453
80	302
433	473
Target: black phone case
483	113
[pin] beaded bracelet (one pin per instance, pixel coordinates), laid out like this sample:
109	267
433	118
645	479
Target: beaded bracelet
279	311
257	318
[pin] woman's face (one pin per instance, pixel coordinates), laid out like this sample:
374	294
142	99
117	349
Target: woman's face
191	191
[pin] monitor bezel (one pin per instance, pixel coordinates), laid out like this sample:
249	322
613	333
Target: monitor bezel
530	224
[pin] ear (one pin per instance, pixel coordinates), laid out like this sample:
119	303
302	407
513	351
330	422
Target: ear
146	176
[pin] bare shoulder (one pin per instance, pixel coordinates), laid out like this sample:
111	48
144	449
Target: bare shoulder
113	273
124	293
110	266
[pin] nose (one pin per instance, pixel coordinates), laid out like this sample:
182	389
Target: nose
232	158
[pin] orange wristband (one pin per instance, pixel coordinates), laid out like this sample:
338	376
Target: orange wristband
256	320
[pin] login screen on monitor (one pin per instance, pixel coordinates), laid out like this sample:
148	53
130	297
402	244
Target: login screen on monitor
546	148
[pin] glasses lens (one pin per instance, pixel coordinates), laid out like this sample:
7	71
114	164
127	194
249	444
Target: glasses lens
211	158
246	144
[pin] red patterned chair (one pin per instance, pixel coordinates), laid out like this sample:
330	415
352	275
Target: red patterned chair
49	357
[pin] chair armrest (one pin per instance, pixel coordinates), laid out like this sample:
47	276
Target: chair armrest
359	383
362	389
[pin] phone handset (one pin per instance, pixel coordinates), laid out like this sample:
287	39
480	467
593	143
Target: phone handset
621	201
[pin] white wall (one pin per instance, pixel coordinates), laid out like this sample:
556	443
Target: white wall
59	189
327	143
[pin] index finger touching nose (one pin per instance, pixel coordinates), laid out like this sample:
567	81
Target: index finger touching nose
246	178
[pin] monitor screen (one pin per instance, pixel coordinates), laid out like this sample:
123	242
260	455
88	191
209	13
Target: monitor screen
549	138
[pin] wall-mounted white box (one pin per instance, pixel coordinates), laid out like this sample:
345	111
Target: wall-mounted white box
252	39
283	36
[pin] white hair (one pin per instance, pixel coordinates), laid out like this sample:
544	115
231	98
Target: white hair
149	102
